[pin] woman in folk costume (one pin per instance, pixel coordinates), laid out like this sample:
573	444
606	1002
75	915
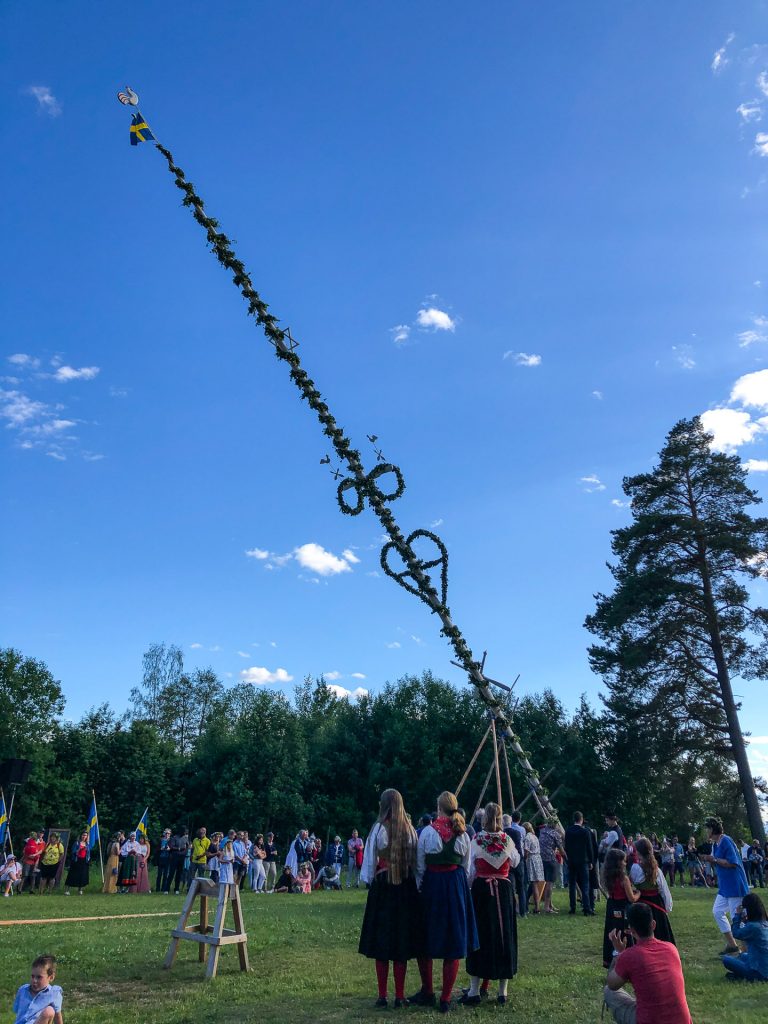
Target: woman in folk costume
129	851
392	928
619	894
442	863
492	854
112	867
649	880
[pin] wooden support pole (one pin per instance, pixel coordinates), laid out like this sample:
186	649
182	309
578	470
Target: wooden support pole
496	762
509	777
474	759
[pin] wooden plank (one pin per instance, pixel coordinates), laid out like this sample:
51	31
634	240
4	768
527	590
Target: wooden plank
202	949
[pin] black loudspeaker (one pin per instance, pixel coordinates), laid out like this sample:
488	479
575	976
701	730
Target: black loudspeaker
14	771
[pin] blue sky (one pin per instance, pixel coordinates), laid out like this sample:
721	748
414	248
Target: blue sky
517	244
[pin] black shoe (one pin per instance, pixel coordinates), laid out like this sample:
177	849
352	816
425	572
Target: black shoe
467	1000
501	1000
381	1003
445	1006
572	911
483	993
401	1002
422	998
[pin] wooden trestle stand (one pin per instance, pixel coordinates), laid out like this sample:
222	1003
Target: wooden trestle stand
210	939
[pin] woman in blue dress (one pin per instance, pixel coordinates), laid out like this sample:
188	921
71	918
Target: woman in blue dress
442	864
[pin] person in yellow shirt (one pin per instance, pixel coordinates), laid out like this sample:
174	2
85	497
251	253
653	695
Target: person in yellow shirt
198	859
49	862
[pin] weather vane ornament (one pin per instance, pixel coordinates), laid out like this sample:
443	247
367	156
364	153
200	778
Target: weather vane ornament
412	572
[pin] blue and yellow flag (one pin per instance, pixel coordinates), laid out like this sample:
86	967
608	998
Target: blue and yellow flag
140	130
93	825
141	828
3	820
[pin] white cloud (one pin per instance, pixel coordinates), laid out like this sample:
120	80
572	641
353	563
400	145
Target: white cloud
350	556
719	59
324	563
762	83
262	676
417	639
598	395
750	337
684	356
357	675
195	647
394	645
374	574
46	101
751	111
730	428
400	333
49	427
19	409
23	360
434	525
755	465
93	456
435	319
272	643
57	455
215	648
752	390
339	691
243	654
67	373
761	143
257	553
331	676
592	483
619	504
523	358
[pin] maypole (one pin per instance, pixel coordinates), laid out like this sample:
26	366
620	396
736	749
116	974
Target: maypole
378	487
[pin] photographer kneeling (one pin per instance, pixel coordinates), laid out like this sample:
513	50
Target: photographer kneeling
654	971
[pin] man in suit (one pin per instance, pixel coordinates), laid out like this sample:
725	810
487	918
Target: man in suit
578	844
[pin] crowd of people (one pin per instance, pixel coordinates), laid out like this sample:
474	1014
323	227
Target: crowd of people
449	890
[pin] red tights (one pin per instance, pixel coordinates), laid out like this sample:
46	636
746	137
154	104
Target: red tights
399	968
450	970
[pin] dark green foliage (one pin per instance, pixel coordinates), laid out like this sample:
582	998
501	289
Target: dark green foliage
679	623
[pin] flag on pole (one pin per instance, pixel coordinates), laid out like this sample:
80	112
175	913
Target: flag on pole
140	130
3	820
141	828
93	825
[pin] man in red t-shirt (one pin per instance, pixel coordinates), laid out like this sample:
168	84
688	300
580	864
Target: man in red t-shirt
654	971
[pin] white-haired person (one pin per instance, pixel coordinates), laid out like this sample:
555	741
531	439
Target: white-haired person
392	924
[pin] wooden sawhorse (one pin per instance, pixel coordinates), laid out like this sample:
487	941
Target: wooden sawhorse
210	939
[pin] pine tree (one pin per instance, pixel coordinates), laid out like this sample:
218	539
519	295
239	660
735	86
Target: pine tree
679	624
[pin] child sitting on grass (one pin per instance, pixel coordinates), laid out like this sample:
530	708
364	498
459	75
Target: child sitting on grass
750	926
39	1002
10	875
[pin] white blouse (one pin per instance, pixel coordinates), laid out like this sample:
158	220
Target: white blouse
430	842
636	876
378	839
477	853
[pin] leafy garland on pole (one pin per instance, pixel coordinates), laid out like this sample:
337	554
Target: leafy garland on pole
414	576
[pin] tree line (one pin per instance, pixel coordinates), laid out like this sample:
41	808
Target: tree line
665	748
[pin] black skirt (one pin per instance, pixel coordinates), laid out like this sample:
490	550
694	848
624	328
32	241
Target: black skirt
663	930
77	876
494	903
392	924
615	917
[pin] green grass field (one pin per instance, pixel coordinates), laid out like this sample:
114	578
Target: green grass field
305	965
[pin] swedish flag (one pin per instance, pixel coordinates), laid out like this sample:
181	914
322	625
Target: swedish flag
3	821
141	828
93	825
140	130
